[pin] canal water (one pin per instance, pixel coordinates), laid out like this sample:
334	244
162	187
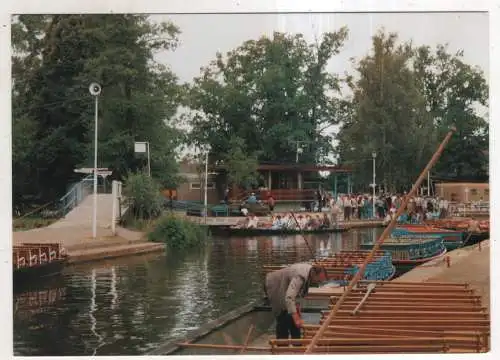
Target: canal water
129	306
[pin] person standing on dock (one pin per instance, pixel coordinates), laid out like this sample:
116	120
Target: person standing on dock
283	287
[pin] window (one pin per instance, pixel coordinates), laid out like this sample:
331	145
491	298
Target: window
473	191
486	192
195	186
454	197
199	186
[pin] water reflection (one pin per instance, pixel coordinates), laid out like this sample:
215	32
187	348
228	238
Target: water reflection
252	245
129	306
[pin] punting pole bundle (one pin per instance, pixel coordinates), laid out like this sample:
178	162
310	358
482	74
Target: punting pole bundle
398	317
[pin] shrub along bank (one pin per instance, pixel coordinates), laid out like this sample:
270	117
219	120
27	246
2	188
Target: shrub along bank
178	233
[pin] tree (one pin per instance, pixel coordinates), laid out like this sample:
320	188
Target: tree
268	93
387	116
404	100
144	194
241	168
455	91
57	58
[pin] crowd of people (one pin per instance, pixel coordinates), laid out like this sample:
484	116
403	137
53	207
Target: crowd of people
360	206
288	221
351	207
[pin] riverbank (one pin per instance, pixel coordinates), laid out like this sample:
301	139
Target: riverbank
467	265
82	247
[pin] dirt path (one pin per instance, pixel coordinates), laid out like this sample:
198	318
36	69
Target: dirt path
474	270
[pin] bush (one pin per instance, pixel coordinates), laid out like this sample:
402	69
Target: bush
178	233
143	192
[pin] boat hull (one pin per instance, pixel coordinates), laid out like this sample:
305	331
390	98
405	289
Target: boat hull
403	266
452	239
453	245
232	329
477	237
435	248
228	231
43	271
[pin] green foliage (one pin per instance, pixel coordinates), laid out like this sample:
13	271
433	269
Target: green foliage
56	58
269	93
455	91
241	168
143	192
404	100
178	233
254	104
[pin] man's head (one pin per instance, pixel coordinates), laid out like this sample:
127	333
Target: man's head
318	275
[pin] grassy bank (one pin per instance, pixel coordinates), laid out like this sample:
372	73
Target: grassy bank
28	223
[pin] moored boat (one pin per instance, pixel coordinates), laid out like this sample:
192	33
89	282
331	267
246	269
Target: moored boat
461	224
35	261
233	231
410	252
227	334
342	266
475	237
452	239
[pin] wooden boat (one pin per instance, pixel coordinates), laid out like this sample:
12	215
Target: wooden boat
452	239
225	335
410	252
342	267
462	224
30	261
232	231
475	237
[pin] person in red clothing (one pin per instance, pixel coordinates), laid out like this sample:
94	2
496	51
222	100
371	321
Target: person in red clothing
271	202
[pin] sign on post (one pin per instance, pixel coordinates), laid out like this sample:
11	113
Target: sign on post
141	147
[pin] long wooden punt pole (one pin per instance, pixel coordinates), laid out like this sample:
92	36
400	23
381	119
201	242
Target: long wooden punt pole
225	347
412	283
247	339
381	331
380	241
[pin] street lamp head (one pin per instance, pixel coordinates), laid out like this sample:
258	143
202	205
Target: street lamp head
95	89
374	154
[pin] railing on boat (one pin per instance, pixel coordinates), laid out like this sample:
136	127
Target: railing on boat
30	254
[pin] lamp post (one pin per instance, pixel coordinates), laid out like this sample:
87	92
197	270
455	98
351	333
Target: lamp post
428	184
299	151
374	156
205	201
95	91
149	160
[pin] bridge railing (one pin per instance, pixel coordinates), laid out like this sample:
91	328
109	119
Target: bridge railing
74	197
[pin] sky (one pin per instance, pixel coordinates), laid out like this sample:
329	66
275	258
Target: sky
202	35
